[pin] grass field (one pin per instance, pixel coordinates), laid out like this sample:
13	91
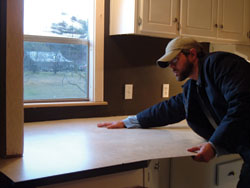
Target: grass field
48	85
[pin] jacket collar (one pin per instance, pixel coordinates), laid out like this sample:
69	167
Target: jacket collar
200	81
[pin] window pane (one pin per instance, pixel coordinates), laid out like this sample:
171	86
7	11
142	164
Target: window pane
54	69
70	17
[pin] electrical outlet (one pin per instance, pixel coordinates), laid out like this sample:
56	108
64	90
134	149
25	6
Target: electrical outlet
128	91
165	90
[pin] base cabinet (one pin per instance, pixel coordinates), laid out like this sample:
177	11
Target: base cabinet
129	179
182	172
221	172
157	175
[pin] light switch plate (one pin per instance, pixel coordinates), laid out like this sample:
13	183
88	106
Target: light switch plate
128	91
165	90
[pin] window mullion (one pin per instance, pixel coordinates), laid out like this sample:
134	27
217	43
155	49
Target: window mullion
63	40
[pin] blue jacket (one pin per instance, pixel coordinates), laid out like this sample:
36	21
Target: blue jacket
224	86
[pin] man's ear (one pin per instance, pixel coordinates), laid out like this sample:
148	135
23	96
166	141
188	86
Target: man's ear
193	54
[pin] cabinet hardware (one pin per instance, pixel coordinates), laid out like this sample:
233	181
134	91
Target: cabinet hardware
221	26
216	25
248	34
139	21
178	24
231	173
157	166
175	20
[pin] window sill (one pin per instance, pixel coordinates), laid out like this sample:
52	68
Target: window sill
62	104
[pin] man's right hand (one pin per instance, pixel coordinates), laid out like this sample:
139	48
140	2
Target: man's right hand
112	125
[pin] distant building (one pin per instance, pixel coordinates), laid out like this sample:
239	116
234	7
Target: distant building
47	61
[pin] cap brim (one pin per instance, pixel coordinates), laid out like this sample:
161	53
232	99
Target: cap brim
163	62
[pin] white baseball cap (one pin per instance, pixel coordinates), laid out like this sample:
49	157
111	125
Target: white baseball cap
174	47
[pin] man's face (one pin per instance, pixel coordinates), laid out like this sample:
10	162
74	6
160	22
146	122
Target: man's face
181	66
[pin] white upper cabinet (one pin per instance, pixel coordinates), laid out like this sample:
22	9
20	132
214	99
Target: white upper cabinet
233	19
159	17
199	18
123	17
209	20
221	20
145	17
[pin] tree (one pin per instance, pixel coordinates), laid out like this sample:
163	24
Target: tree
79	28
78	54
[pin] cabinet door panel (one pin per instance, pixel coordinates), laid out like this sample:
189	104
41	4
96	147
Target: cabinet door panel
232	18
160	16
198	18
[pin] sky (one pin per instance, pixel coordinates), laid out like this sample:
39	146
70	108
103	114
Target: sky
40	14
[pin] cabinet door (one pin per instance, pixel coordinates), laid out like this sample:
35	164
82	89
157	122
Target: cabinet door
187	173
157	174
159	17
198	18
123	17
232	19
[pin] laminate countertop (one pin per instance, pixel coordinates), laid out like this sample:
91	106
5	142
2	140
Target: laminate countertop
57	148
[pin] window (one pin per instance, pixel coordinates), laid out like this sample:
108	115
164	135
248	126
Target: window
61	62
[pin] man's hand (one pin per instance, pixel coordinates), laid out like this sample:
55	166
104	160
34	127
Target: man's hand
112	125
205	152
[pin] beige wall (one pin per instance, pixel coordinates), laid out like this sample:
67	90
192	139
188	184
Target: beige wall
242	50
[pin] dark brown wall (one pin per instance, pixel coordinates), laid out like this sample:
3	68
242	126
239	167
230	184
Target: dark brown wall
127	59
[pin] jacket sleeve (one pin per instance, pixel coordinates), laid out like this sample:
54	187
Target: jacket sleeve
233	82
164	113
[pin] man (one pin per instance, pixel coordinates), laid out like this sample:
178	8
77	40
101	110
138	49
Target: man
215	102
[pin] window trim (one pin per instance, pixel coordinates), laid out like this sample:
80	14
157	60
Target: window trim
96	65
96	69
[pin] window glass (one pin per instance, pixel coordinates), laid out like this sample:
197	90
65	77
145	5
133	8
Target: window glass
56	48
